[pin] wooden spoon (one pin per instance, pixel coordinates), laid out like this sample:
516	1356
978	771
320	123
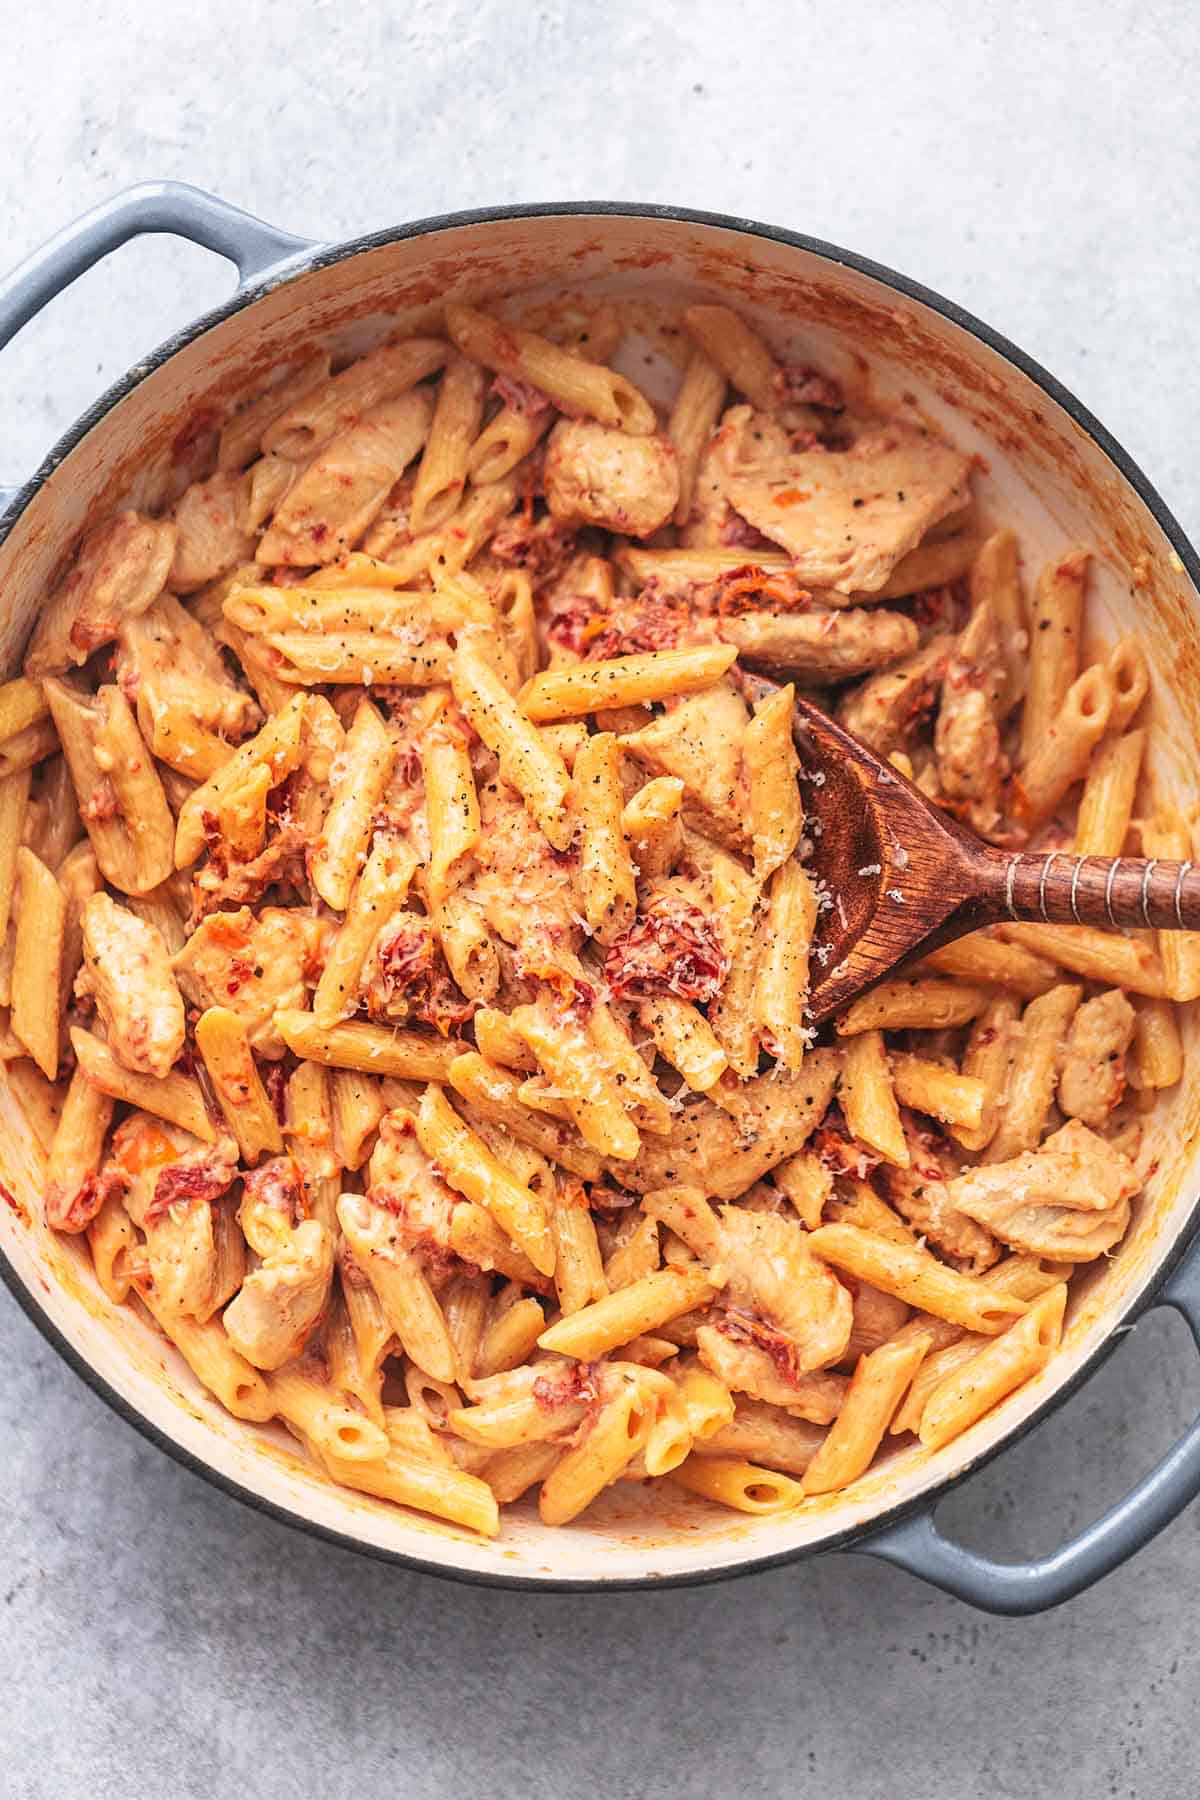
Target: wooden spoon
905	878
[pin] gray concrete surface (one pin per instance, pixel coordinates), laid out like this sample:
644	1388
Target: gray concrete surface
1037	162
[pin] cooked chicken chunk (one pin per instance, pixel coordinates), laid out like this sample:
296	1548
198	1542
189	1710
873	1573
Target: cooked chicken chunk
724	1156
401	1178
747	1368
171	1180
345	487
127	969
166	658
821	647
212	537
1068	1200
886	710
255	965
772	1273
1093	1072
278	1304
699	741
520	877
713	523
119	572
846	516
596	475
970	763
920	1195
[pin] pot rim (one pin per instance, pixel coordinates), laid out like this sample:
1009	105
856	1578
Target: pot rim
325	256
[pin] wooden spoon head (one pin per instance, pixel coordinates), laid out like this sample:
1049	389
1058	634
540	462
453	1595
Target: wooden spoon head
897	876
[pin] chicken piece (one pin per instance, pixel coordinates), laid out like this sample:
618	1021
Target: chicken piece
171	1180
165	658
401	1179
168	661
344	488
596	475
211	537
970	763
254	966
274	1311
272	1315
771	1273
886	710
120	570
127	970
1068	1200
846	516
746	1367
520	878
820	647
920	1195
1093	1072
699	741
713	524
724	1156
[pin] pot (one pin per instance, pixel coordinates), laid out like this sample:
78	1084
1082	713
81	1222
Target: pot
1047	465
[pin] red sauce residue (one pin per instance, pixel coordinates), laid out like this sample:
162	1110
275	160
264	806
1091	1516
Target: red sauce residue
805	387
644	259
185	443
10	1200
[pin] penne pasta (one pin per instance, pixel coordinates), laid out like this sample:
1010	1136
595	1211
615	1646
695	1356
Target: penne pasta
469	1166
222	1041
1055	623
452	434
632	1311
624	681
1106	804
693	420
916	1276
371	1049
37	996
875	1390
573	384
605	870
781	969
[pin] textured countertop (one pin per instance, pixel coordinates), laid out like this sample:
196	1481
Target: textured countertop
1039	165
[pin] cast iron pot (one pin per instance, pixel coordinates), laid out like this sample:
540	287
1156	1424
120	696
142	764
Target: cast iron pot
1046	464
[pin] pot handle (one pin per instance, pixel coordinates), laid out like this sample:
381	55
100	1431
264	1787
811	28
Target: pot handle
253	246
1016	1589
151	206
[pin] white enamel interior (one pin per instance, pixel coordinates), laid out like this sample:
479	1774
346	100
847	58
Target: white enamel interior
1042	472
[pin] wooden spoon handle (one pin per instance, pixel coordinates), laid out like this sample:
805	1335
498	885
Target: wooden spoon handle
1059	889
